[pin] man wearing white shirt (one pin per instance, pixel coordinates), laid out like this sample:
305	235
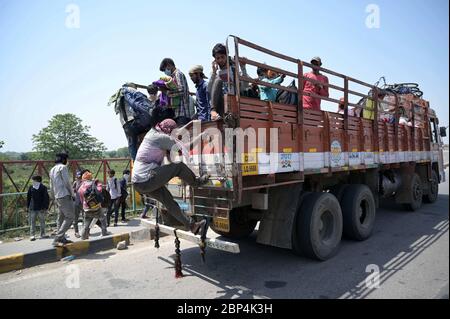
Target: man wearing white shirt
113	187
62	192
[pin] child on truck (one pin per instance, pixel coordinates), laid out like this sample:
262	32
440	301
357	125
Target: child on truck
268	93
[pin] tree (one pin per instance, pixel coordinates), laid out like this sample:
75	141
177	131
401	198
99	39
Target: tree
123	152
110	154
66	132
1	144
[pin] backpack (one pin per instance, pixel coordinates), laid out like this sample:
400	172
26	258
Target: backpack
140	106
93	197
286	97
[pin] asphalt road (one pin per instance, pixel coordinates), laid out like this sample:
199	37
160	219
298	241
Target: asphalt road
407	257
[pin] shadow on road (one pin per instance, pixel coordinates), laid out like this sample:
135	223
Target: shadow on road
398	238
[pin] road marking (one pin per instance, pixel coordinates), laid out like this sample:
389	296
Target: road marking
397	263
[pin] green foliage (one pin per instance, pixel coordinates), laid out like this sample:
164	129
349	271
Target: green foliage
66	132
119	153
123	152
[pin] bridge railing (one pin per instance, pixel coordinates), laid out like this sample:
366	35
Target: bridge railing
15	179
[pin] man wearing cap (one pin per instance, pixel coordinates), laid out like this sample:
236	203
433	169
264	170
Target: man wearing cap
202	95
64	196
315	86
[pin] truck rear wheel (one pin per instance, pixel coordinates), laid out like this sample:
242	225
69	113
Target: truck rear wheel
318	226
338	190
240	225
358	212
433	189
416	194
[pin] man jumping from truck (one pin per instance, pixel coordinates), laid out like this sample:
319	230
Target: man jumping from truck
150	176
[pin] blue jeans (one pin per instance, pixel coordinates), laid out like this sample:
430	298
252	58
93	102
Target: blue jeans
132	131
114	204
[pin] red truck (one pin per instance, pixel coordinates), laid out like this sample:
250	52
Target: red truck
312	176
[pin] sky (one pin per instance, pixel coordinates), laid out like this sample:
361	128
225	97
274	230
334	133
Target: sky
54	60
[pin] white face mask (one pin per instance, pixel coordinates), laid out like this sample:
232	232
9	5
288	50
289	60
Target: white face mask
126	176
36	185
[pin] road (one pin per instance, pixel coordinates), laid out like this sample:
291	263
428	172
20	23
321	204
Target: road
407	257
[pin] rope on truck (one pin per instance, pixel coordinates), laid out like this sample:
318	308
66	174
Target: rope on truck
178	267
157	230
203	240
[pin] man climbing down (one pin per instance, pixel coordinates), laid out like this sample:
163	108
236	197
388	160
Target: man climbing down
150	176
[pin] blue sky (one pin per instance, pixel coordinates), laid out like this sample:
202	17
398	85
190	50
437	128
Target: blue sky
47	68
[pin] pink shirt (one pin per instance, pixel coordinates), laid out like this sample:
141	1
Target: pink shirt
309	87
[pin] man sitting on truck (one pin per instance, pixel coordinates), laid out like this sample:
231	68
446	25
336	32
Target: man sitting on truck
150	176
220	72
310	102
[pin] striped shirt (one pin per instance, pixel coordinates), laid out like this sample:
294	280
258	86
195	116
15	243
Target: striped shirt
183	92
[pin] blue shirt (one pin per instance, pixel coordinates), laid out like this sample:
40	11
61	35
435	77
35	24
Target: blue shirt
267	93
203	103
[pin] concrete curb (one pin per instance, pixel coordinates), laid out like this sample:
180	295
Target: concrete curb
53	254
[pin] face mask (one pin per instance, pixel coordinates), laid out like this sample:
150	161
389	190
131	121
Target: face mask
36	185
168	72
126	176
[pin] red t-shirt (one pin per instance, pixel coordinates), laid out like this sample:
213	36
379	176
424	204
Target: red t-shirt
310	87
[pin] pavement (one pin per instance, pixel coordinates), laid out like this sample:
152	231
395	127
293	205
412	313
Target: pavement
407	257
27	246
25	253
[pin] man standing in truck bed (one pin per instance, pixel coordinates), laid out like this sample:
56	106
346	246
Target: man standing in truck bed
310	102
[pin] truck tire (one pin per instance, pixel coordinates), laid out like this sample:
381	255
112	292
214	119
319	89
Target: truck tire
318	226
416	194
433	189
338	191
240	225
358	212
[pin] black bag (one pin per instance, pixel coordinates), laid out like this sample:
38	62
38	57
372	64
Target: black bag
286	97
93	197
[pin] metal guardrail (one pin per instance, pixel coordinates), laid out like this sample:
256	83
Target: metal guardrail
13	211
